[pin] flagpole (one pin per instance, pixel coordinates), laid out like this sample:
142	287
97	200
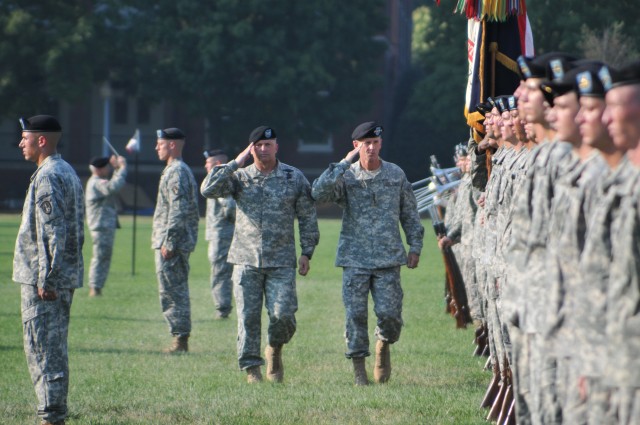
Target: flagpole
135	215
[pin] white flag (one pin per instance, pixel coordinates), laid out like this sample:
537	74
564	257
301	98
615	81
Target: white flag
134	143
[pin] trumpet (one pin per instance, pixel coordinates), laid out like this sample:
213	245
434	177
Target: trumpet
446	175
441	193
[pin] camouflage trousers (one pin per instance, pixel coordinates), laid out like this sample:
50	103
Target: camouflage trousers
45	326
386	292
277	286
520	374
173	286
471	286
101	257
623	406
221	271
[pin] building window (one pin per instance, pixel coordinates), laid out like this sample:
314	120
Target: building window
321	145
144	112
121	111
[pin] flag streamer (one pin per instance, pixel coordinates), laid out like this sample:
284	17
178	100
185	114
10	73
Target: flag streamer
490	10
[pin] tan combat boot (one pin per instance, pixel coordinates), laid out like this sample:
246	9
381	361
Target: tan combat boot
254	375
95	292
382	369
360	371
180	345
46	422
275	369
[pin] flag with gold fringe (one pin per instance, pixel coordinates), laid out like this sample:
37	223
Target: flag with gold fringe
498	31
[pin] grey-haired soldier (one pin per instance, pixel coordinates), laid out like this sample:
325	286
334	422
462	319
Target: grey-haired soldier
376	197
174	237
269	197
220	219
102	215
48	263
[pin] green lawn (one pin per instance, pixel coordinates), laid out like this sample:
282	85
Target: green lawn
120	376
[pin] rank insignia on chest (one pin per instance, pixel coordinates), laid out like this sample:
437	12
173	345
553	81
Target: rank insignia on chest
175	190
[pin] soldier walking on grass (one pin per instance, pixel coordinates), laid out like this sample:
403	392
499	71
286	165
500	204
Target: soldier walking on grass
269	195
48	263
376	196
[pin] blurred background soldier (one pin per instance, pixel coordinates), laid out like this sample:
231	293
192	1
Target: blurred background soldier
270	195
102	215
376	197
221	217
48	263
175	232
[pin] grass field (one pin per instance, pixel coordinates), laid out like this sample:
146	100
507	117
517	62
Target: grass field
120	376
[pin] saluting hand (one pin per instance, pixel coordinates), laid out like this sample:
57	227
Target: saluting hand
354	153
242	156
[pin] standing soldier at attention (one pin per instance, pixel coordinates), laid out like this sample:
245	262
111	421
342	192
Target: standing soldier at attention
375	196
270	195
221	217
48	263
174	236
102	215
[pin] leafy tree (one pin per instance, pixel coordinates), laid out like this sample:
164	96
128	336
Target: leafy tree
301	66
558	28
431	121
45	49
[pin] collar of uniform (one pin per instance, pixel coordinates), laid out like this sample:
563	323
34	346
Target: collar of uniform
623	171
174	163
358	167
43	163
277	171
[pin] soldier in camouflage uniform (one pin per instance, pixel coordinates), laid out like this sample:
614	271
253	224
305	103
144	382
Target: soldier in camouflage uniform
621	374
102	215
174	236
269	196
376	197
527	247
220	219
460	230
48	263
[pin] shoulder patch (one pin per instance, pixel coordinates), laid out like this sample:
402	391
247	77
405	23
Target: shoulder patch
46	207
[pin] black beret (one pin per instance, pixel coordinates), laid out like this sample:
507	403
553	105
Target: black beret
529	69
213	152
558	64
550	66
567	83
587	80
100	161
501	104
170	134
367	130
492	103
512	103
40	123
624	76
262	133
483	108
